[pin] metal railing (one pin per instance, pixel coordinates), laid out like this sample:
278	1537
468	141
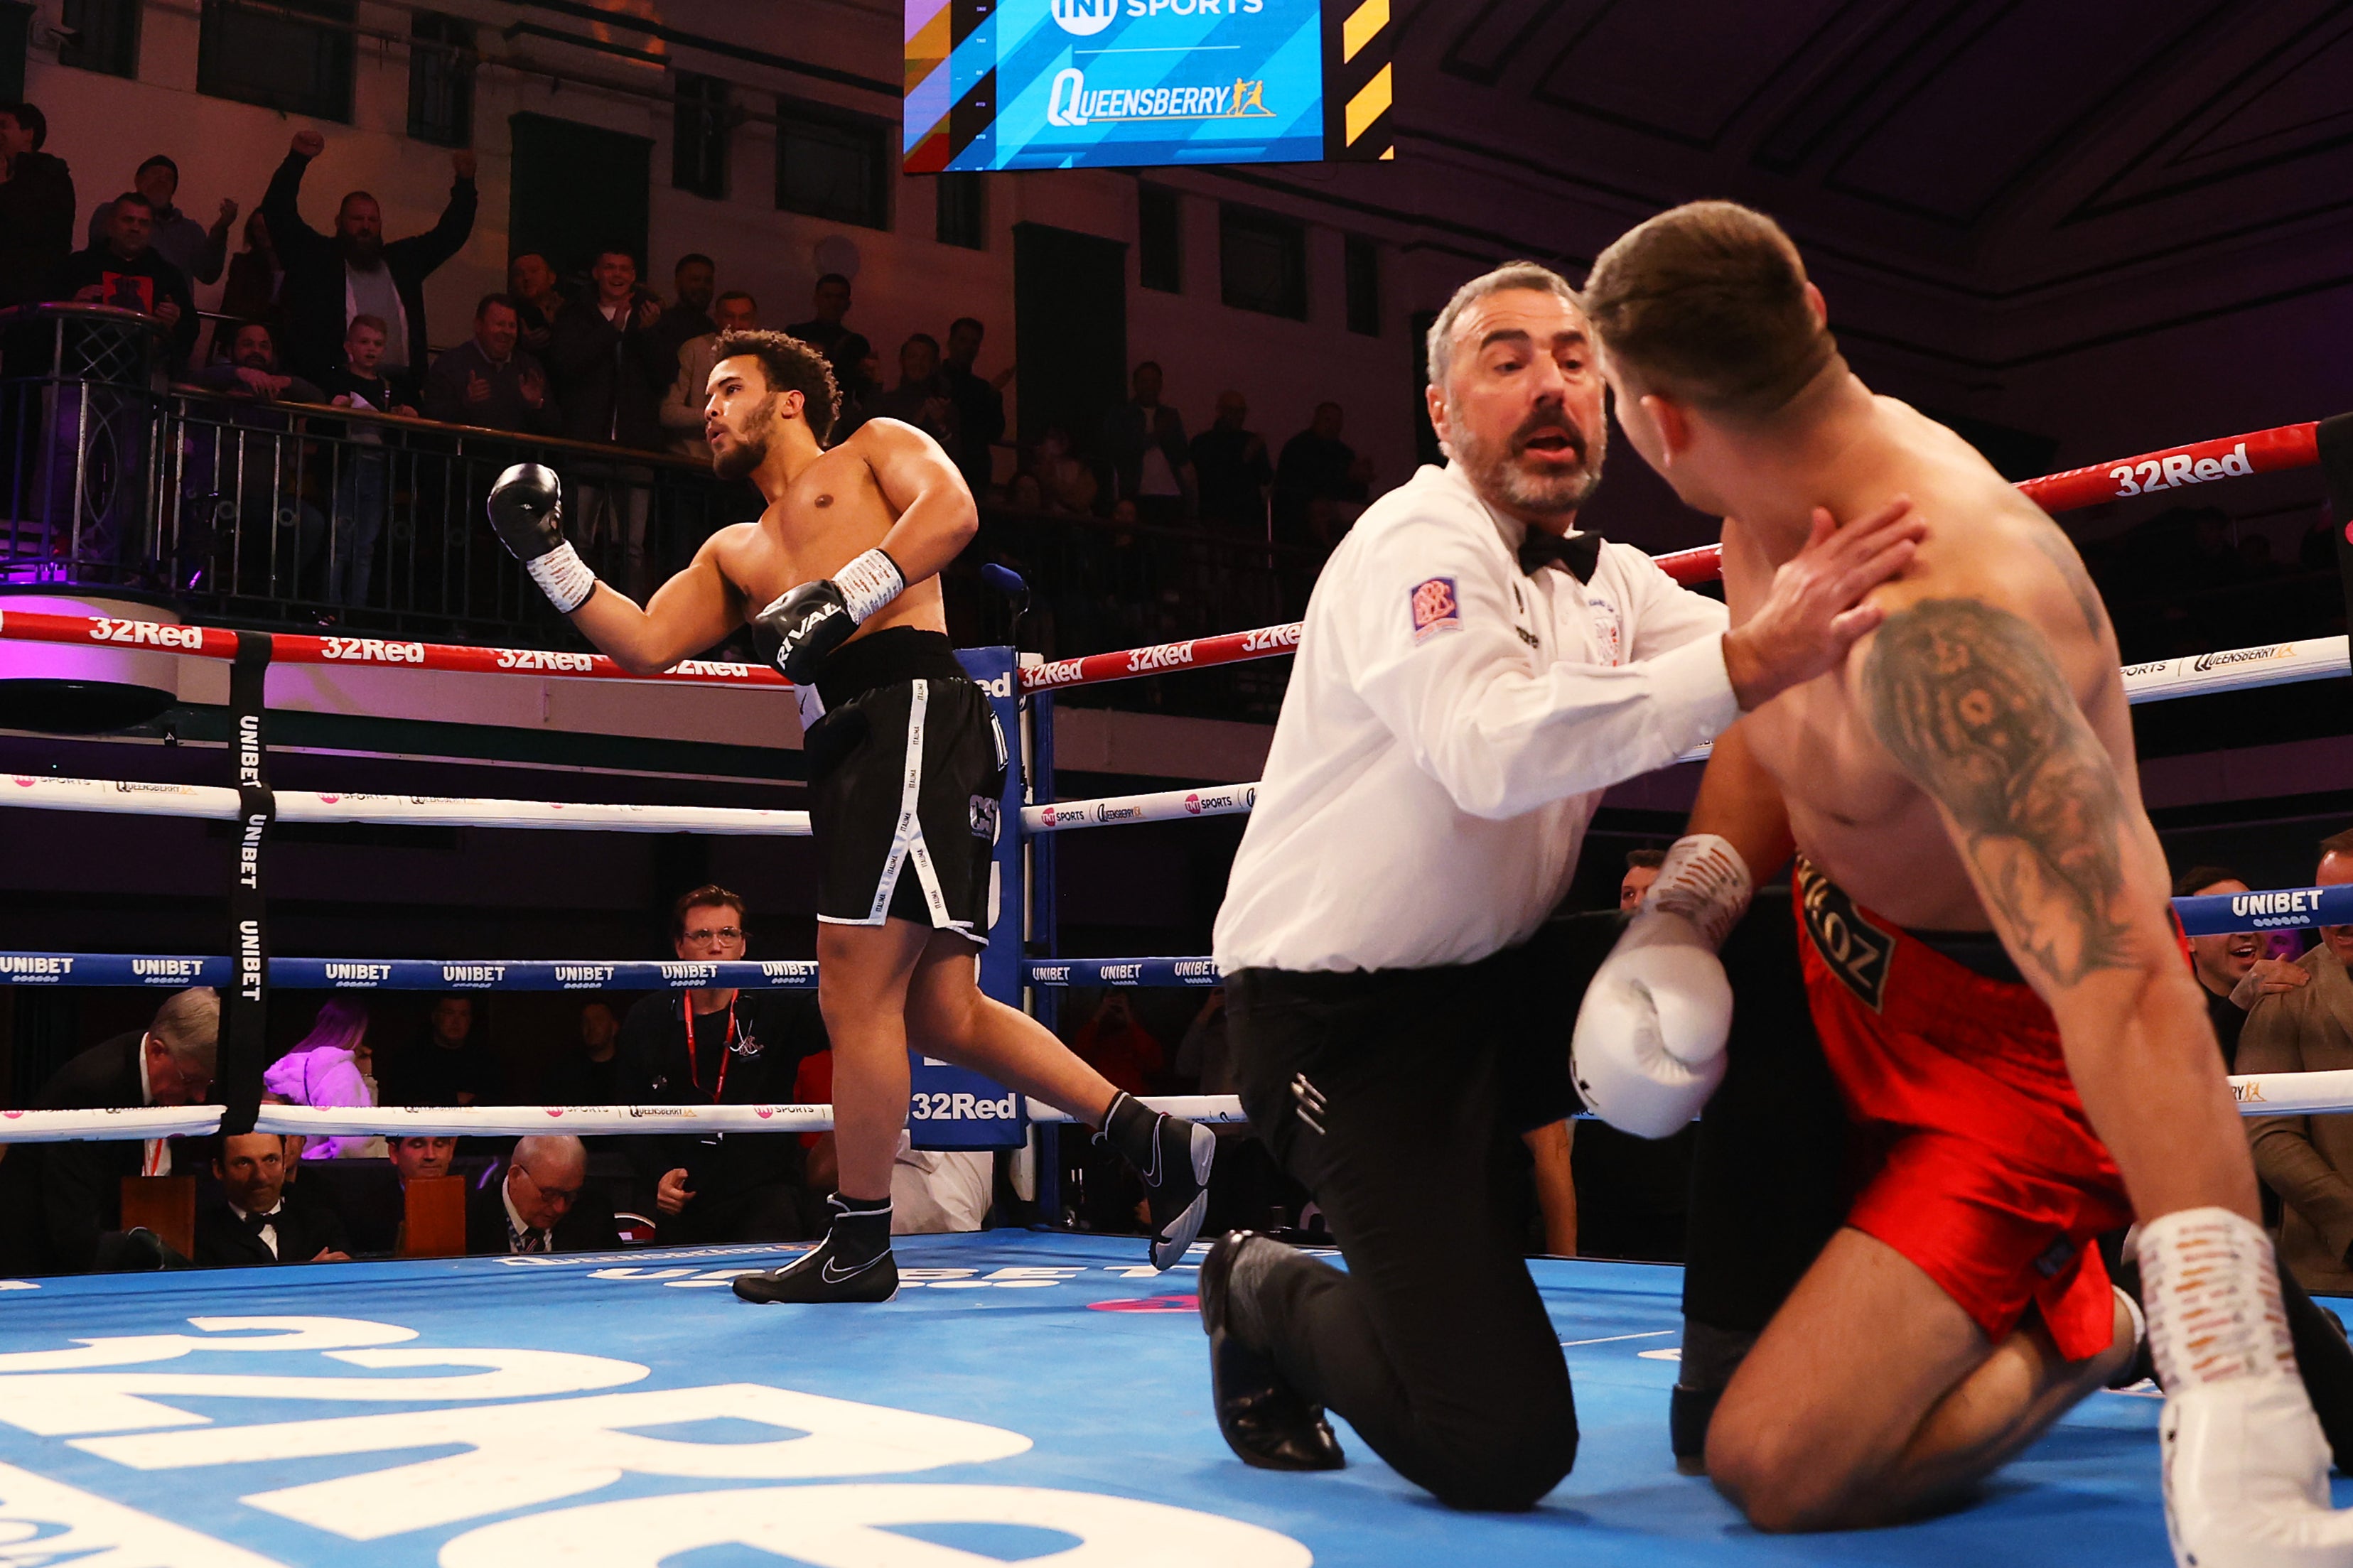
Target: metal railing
275	513
280	514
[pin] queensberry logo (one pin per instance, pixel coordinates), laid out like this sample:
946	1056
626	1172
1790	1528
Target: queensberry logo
1070	102
2244	655
1435	608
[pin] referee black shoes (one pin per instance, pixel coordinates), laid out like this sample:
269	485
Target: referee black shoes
1266	1421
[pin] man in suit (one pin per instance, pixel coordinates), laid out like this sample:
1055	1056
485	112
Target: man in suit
57	1200
2308	1160
540	1204
257	1218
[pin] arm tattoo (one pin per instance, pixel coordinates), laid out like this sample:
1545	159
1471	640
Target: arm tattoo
1966	697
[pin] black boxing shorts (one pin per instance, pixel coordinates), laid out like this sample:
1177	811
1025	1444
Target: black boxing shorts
906	766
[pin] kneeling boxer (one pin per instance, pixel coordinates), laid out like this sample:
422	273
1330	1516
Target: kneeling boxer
905	765
1988	960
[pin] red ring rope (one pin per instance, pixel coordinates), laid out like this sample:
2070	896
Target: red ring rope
2197	462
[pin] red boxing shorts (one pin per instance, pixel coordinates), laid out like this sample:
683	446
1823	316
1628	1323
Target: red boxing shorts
1978	1164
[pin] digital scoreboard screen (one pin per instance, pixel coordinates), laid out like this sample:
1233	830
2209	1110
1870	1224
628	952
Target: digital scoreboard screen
1059	84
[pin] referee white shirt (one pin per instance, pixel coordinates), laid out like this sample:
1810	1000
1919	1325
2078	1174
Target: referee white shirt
1450	724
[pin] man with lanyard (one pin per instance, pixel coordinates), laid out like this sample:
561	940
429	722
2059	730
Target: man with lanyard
1473	675
719	1046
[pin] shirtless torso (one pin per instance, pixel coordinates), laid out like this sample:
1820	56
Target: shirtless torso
833	511
842	501
1967	767
1854	810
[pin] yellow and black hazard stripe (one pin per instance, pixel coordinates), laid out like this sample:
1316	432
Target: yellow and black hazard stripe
1358	40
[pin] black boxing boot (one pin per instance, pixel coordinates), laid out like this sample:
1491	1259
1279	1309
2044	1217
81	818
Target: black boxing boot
1173	1157
1266	1421
853	1263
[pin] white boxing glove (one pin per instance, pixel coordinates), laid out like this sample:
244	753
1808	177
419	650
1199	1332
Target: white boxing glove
2245	1466
1649	1046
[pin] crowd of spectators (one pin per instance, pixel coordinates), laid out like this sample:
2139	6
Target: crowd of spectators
265	1199
604	357
2279	1001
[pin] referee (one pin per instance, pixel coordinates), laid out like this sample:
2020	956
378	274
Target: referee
1474	672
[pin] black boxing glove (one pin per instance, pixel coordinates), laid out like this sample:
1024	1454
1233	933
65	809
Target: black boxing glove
816	617
526	511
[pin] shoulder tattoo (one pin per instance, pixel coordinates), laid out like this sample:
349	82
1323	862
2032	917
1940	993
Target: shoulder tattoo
1968	700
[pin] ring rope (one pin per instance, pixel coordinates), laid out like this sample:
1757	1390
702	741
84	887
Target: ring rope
394	810
2256	1094
2282	448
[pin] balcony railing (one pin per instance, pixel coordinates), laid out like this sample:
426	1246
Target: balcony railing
277	514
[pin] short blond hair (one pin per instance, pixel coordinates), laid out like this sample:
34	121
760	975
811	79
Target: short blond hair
188	1026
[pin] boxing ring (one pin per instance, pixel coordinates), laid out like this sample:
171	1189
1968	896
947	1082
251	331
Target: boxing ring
1030	1396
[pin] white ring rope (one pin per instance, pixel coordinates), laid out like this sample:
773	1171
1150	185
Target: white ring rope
2259	1094
394	810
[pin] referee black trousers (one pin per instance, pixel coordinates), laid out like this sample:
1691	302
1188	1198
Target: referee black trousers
1398	1099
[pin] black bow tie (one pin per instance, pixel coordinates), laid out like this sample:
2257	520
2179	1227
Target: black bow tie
1576	555
253	1223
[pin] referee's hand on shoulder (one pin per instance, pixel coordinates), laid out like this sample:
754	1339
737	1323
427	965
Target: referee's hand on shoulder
1815	612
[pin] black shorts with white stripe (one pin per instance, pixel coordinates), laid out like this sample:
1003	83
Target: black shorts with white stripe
906	766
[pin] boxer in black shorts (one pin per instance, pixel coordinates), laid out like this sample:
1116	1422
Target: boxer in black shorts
905	765
905	768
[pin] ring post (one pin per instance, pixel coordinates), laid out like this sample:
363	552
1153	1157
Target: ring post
953	1107
245	1013
1045	1002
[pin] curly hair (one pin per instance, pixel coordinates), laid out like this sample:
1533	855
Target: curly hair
789	365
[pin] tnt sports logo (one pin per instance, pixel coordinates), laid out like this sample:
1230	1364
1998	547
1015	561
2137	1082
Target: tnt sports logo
1085	18
1435	608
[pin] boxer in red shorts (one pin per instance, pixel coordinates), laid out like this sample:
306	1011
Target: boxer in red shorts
1976	1162
1967	772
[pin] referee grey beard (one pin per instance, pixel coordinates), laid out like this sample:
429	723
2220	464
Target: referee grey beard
1495	471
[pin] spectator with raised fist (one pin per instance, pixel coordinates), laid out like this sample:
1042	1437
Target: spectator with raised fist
354	270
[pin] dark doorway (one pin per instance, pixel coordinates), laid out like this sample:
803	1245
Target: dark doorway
1069	330
577	190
